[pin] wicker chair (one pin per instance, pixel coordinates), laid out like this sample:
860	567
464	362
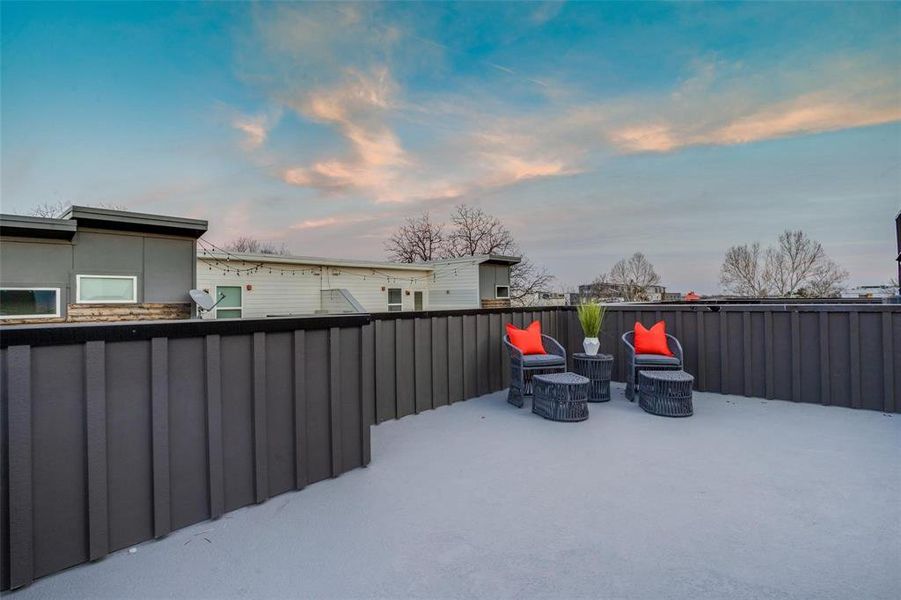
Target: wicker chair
522	367
648	362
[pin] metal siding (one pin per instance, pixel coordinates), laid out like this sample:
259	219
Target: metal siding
168	269
470	357
58	458
871	361
422	357
809	358
839	359
189	463
280	413
349	399
404	372
782	356
114	443
455	378
237	420
439	361
386	401
319	439
129	436
483	355
38	264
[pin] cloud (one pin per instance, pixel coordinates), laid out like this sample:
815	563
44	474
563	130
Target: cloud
346	72
255	128
715	108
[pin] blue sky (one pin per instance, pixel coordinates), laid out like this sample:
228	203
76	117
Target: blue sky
593	129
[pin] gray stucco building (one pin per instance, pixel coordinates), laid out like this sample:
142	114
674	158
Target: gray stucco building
96	264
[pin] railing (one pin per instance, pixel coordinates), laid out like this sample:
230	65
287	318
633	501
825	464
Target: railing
120	433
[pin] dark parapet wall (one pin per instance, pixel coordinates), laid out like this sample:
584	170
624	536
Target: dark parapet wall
112	442
118	433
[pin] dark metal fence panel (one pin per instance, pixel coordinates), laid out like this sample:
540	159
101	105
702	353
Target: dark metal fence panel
109	443
115	434
842	355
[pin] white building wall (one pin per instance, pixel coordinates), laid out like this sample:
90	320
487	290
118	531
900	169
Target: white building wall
455	285
298	291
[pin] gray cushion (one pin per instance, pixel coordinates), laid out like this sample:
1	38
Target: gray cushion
656	359
542	360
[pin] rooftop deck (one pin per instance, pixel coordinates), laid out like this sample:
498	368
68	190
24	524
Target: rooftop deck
748	498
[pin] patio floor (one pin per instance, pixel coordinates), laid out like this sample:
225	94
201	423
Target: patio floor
747	499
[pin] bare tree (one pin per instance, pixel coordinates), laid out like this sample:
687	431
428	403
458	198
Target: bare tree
54	210
742	273
251	245
527	280
418	239
796	266
633	276
473	231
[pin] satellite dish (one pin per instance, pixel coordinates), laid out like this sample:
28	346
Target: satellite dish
203	300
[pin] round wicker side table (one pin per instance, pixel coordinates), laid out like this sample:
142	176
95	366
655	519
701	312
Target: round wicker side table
665	393
597	368
560	396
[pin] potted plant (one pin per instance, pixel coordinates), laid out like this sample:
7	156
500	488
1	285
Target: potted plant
591	317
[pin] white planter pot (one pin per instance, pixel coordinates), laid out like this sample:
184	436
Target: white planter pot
591	345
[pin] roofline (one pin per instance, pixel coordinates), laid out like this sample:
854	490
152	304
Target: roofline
312	260
123	220
478	259
27	226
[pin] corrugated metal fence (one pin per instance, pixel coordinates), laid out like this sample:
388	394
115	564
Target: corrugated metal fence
842	355
115	434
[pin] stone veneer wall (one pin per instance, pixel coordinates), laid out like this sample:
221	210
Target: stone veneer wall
128	312
495	304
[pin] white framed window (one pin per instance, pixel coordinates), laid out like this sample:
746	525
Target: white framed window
106	289
395	299
502	292
231	301
29	303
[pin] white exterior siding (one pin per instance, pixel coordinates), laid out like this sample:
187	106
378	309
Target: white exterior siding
455	285
299	291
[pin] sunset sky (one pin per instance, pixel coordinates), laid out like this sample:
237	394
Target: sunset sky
592	130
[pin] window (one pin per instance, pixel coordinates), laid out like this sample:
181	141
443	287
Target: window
29	303
502	292
230	298
395	299
106	289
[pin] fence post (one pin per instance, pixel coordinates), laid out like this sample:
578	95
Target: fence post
21	518
159	391
95	416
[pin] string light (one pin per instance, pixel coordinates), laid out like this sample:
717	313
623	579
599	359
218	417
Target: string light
208	248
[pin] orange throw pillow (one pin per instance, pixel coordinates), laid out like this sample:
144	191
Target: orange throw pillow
528	340
651	341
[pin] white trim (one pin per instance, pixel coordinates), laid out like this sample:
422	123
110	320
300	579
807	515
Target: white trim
496	297
240	309
388	302
56	313
134	289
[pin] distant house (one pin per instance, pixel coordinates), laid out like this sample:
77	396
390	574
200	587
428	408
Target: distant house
261	285
96	264
870	291
615	292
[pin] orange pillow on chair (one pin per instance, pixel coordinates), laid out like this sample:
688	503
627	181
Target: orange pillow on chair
651	341
528	340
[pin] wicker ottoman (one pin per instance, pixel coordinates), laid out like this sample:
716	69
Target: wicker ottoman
665	393
597	368
560	396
